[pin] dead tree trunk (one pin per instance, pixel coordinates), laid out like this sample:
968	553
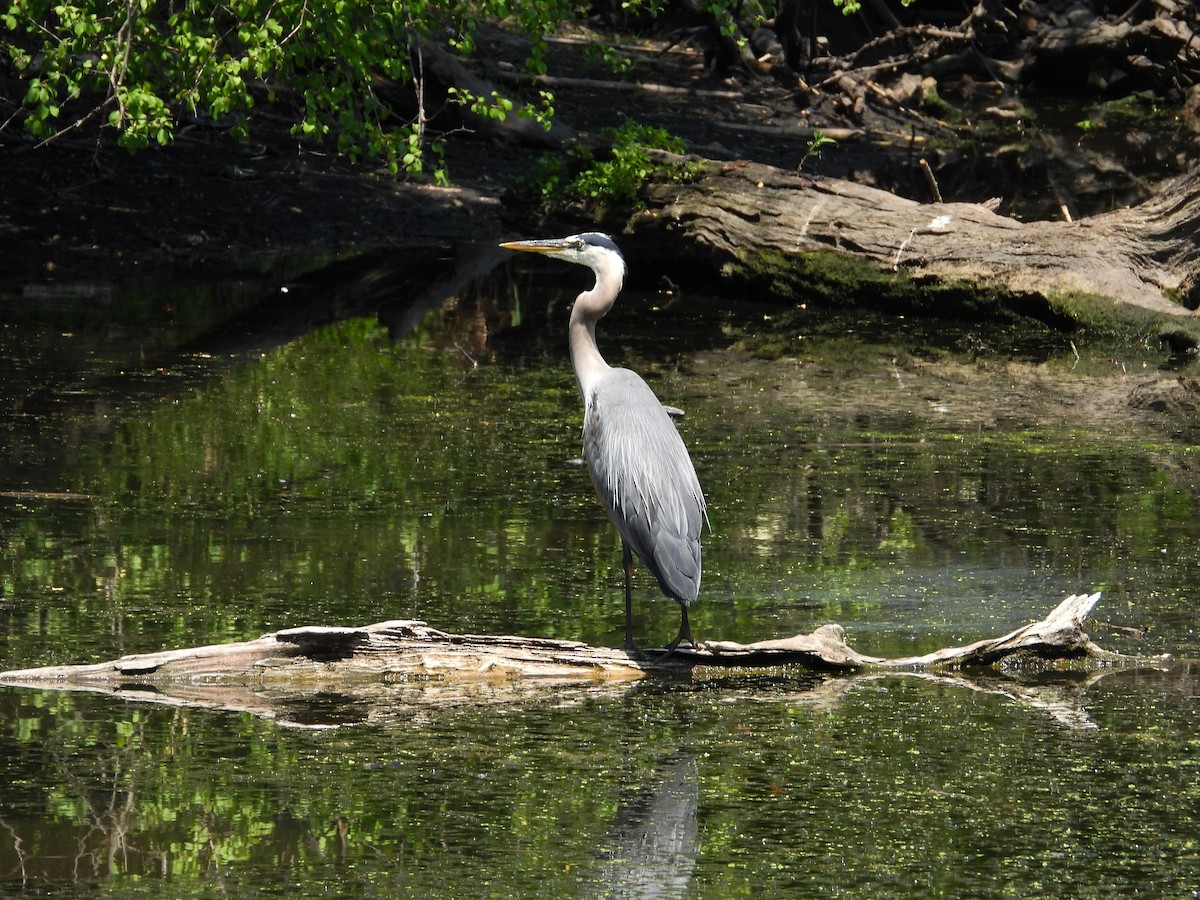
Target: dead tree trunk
799	236
320	657
399	672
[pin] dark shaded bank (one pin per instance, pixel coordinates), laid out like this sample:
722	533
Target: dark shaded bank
77	214
71	212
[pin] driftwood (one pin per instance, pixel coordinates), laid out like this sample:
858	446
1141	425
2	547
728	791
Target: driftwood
396	673
1057	638
315	657
770	227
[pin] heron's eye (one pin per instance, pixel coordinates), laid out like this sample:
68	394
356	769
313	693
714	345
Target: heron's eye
577	244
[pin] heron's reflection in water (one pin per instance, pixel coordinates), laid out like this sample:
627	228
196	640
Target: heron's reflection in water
652	848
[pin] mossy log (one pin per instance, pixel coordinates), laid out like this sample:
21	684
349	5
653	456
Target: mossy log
799	236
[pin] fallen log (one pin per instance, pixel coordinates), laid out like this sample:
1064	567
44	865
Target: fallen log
842	243
1055	640
401	671
631	87
404	650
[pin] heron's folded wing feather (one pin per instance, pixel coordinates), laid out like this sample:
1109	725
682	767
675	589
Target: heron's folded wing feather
645	477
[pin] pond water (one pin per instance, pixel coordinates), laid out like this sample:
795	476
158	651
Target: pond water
175	482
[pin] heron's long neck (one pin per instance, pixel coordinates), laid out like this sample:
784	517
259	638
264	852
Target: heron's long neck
585	355
589	307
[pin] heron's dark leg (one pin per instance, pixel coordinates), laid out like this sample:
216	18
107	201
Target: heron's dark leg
685	634
627	561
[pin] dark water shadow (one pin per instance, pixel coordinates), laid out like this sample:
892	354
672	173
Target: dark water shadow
74	365
400	287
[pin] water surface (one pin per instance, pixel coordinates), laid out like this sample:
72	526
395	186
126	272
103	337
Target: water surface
176	483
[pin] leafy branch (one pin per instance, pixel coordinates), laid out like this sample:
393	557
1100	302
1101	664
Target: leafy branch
143	68
615	176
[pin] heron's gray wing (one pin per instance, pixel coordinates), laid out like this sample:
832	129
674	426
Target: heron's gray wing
645	479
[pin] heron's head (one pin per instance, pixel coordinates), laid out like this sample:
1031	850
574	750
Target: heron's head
596	251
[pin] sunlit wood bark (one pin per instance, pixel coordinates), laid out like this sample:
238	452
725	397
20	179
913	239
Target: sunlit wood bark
316	657
754	221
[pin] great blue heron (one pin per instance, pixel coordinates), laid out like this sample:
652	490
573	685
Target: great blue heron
638	462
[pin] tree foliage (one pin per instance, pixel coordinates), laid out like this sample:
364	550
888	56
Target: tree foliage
143	68
611	177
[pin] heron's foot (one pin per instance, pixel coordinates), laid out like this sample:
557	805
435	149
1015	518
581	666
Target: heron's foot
630	646
692	644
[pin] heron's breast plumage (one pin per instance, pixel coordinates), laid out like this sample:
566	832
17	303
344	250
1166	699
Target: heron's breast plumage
645	477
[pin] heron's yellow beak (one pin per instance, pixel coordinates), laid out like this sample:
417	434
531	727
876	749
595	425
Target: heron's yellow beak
551	245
